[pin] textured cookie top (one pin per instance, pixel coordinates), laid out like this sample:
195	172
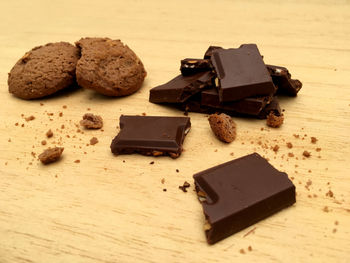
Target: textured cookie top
109	67
44	70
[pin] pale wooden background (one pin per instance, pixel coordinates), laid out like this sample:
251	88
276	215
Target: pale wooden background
106	210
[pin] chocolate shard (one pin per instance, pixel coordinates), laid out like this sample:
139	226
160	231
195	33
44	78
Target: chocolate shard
239	193
241	73
249	106
210	51
190	66
273	107
181	88
283	81
151	135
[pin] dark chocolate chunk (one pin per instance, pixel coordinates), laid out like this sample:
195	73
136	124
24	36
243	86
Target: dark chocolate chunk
273	107
239	193
190	66
210	50
151	135
181	88
250	106
241	73
283	81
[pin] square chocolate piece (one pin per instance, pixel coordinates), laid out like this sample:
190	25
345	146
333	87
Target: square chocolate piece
241	73
181	88
151	135
239	193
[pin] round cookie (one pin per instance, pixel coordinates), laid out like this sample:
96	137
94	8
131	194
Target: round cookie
44	70
109	67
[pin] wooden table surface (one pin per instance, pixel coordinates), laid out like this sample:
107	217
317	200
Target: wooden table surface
113	208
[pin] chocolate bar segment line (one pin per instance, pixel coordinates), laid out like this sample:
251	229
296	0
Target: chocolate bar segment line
151	135
250	106
239	193
241	73
181	88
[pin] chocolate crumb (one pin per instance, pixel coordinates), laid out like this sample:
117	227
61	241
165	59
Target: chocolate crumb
30	118
77	161
307	154
91	121
51	155
144	114
62	126
177	170
43	142
49	134
289	145
16	124
41	104
22	125
151	162
184	186
93	140
162	181
60	114
164	189
273	120
313	139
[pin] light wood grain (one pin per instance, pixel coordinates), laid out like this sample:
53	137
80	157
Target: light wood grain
113	209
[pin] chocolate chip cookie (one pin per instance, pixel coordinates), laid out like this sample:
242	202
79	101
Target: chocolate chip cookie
108	67
44	70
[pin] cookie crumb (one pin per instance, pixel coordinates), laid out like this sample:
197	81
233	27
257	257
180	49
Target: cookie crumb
274	120
64	106
91	121
242	251
184	186
51	155
144	114
60	114
62	126
250	248
289	145
330	194
30	118
93	140
318	149
336	223
77	161
306	154
223	127
43	142
49	134
275	148
326	209
162	181
290	154
313	139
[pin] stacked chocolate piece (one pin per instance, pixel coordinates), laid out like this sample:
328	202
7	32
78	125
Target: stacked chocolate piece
235	81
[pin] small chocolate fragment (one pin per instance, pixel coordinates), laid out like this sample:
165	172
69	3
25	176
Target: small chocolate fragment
273	107
210	51
91	121
151	135
51	155
283	81
239	193
241	73
190	66
223	127
184	186
181	88
249	106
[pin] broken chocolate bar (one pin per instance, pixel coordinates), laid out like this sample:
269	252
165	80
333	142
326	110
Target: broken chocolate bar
241	73
151	135
283	81
190	66
273	107
249	106
181	88
239	193
210	50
